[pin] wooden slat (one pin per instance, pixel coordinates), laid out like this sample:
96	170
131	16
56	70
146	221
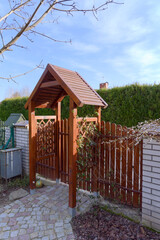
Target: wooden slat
107	158
123	175
65	150
57	139
84	171
45	156
62	150
129	171
45	117
95	171
49	84
102	186
112	166
91	119
118	158
136	175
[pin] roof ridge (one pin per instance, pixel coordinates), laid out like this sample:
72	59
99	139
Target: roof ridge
63	68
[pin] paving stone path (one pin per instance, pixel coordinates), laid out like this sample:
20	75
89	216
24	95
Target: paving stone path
43	215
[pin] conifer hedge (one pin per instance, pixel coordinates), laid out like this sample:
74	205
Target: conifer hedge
126	105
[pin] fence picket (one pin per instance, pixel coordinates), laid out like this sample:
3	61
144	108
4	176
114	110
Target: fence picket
123	175
112	166
118	158
102	160
107	158
129	171
136	176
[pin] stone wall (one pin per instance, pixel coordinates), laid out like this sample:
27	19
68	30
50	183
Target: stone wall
21	135
151	184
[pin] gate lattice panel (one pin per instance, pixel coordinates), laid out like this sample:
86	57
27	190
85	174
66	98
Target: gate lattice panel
45	160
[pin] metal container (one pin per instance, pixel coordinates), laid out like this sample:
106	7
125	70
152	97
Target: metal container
10	162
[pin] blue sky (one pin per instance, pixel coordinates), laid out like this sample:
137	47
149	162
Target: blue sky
122	47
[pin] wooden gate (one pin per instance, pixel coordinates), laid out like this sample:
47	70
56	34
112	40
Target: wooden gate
45	159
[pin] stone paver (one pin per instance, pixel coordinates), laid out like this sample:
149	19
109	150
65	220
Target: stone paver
43	215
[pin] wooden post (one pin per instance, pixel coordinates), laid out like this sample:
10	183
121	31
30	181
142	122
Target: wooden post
97	151
99	117
58	140
72	156
32	147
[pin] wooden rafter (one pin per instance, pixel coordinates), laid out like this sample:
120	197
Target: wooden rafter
58	99
49	84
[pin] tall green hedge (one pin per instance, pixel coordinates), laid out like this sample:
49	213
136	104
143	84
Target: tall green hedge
126	105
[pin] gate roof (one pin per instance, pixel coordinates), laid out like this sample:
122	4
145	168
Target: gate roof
57	82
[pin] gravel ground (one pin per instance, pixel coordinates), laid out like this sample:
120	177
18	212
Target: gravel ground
98	224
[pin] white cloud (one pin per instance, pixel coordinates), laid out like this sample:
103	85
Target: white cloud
137	63
121	23
82	47
142	55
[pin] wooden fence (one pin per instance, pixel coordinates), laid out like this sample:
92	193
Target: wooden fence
115	165
118	169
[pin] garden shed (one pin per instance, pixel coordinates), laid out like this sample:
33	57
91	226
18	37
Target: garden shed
14	118
54	84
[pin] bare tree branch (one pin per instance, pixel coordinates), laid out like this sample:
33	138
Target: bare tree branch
25	15
4	48
53	39
22	74
67	6
42	17
14	10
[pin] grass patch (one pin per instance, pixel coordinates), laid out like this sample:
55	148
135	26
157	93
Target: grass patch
118	214
19	182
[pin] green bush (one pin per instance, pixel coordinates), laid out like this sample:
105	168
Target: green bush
126	105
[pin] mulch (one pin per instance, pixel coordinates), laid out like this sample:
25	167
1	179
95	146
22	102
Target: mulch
99	224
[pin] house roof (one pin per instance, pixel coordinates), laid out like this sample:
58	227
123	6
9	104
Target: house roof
57	82
14	118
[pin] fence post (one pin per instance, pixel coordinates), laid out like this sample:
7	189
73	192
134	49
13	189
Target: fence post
32	147
58	140
97	156
72	156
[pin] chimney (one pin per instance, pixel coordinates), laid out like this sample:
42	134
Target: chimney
104	85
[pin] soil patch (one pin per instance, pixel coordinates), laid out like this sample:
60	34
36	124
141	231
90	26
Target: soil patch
99	224
12	185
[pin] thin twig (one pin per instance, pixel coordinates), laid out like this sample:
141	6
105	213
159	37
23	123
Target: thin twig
22	74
